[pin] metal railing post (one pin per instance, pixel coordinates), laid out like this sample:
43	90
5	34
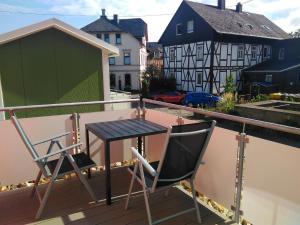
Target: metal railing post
242	141
75	130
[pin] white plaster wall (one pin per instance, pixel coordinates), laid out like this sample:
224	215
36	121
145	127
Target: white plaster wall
129	43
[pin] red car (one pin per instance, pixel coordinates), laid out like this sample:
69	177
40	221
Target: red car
170	97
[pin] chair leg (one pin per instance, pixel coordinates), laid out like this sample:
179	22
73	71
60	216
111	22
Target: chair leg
81	177
145	194
131	185
195	202
36	183
49	188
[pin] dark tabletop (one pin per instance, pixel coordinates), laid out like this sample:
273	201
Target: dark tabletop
124	129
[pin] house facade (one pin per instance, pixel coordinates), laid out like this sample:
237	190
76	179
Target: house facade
71	67
280	74
204	44
130	36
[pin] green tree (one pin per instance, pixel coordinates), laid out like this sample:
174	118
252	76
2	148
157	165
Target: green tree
153	71
229	85
295	34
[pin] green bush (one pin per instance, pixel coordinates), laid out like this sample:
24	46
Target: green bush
260	97
226	105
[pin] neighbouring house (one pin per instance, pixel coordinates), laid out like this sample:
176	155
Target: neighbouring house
204	44
130	36
155	55
53	62
281	73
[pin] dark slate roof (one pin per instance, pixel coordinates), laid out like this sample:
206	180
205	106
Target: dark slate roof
229	21
137	27
153	46
273	66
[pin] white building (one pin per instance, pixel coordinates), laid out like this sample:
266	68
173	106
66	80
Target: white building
130	36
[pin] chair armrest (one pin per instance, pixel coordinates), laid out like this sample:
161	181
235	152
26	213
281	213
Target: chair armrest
51	138
57	152
148	167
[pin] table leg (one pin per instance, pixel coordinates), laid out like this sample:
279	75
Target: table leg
107	171
87	139
139	145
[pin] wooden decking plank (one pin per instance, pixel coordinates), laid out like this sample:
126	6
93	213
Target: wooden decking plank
68	204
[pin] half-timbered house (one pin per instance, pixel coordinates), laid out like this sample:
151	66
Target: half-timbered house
204	44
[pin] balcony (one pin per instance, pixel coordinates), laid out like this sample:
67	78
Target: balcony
253	181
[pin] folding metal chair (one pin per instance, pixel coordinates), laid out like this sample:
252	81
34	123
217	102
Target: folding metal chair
56	168
183	152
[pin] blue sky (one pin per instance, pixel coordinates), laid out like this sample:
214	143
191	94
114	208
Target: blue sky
285	13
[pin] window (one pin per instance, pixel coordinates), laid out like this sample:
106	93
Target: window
179	29
281	54
118	39
199	52
240	53
190	26
127	58
99	36
199	78
112	60
127	80
253	52
266	52
106	38
156	54
112	81
268	78
172	54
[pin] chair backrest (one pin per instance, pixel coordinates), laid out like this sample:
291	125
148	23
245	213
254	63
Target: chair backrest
184	151
24	137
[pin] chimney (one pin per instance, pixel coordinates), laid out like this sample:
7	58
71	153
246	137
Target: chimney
103	13
239	7
221	4
116	19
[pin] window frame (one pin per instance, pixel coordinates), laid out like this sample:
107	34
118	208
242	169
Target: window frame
127	55
269	78
99	35
191	30
172	56
252	52
110	62
106	38
281	54
197	78
198	52
179	25
240	52
126	80
120	42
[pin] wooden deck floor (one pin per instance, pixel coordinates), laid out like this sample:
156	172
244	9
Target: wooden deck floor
69	203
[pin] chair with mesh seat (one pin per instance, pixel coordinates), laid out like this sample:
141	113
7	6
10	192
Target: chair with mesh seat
55	168
183	152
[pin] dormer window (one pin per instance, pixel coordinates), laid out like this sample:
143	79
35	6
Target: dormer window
250	26
240	24
179	29
281	54
190	26
106	38
98	35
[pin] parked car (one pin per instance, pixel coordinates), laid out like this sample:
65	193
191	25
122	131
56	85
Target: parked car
170	97
200	98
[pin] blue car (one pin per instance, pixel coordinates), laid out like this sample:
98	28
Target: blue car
200	98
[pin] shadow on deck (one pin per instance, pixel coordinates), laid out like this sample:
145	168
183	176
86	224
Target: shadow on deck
69	203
